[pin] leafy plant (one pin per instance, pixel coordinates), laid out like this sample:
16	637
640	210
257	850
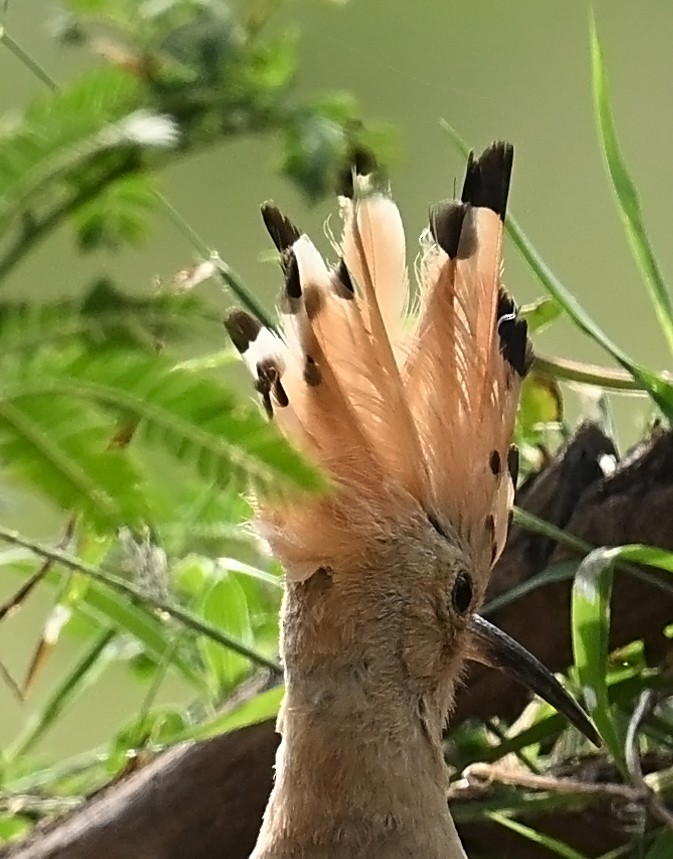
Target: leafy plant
146	455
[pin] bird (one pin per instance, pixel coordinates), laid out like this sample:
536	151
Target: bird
406	402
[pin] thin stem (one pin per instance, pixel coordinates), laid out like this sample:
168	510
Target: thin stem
14	603
24	57
39	230
521	755
483	774
11	682
62	697
138	596
589	374
552	845
228	276
533	523
644	706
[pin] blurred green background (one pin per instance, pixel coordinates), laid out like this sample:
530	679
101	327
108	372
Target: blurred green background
518	70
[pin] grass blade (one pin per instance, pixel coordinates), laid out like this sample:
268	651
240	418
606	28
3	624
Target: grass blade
626	193
559	848
660	390
83	674
662	847
121	586
258	709
132	618
225	606
590	621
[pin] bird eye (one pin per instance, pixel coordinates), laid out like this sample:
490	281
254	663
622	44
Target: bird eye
461	595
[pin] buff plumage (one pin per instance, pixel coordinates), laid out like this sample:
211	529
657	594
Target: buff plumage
400	413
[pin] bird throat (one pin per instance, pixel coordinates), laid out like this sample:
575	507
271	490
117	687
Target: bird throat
360	771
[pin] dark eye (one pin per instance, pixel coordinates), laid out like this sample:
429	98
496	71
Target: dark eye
461	595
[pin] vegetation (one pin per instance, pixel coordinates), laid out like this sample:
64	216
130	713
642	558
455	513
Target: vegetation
148	455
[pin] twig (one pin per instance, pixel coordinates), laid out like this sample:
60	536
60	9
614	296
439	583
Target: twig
484	774
19	803
646	703
11	682
24	57
620	381
60	557
229	277
14	603
521	755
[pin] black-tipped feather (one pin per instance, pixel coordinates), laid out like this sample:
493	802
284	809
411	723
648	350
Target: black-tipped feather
514	344
291	271
242	329
446	223
345	284
513	463
361	162
281	229
487	178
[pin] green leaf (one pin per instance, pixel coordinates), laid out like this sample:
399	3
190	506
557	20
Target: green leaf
650	555
61	447
540	408
196	419
104	316
627	194
234	566
541	313
58	132
159	727
82	675
662	847
118	215
258	709
558	848
225	607
206	521
13	827
314	147
590	619
274	63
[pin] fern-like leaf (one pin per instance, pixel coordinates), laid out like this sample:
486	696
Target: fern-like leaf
104	317
61	447
57	132
195	419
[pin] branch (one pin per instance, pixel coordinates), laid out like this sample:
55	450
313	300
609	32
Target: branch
205	799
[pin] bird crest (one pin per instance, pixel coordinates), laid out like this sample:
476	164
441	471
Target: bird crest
405	413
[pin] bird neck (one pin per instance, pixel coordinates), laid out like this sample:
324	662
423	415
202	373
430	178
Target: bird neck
360	766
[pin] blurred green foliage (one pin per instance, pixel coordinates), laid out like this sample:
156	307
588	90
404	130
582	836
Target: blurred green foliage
148	455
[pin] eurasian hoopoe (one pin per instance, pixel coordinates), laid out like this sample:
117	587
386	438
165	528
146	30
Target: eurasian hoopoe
411	418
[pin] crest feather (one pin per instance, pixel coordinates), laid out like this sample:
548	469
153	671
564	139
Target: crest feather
405	423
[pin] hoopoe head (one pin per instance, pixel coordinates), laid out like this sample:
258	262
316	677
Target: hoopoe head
410	415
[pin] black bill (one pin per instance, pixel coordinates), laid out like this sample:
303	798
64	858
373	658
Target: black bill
492	647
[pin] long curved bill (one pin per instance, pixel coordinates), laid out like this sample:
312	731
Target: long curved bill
492	647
